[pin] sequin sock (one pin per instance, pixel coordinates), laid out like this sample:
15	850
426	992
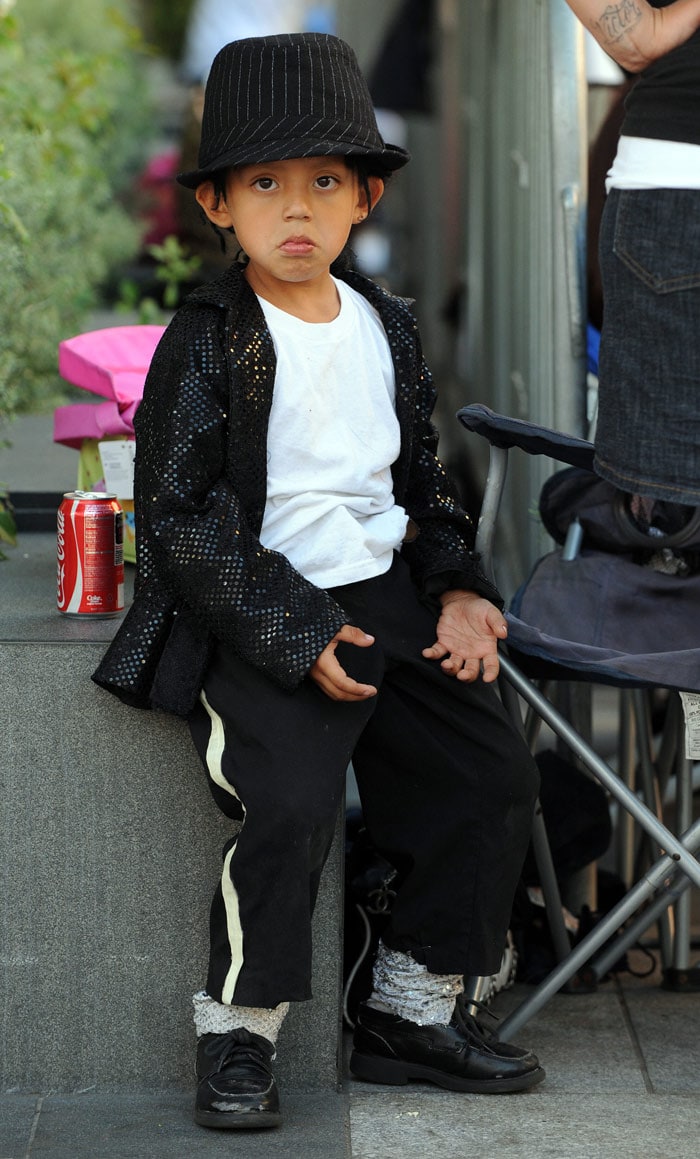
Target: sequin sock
211	1017
405	987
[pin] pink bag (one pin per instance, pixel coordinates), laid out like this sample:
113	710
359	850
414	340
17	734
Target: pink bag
113	363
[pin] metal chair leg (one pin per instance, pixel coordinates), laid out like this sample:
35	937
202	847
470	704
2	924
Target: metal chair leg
625	909
540	844
603	772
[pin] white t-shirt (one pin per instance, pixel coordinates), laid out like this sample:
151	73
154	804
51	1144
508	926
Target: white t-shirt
333	436
650	163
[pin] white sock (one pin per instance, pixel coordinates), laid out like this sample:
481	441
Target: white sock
405	987
212	1017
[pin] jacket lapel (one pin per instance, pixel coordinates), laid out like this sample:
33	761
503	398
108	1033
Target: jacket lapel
252	362
250	355
252	371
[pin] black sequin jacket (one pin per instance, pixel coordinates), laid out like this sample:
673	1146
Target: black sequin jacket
200	484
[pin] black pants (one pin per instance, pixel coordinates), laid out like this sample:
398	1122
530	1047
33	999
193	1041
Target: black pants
447	788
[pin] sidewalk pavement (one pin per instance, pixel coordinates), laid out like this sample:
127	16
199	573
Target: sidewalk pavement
623	1064
623	1082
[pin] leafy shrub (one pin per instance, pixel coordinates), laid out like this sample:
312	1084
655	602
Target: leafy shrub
74	124
165	24
8	528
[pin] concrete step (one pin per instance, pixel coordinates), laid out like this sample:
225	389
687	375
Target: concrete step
109	850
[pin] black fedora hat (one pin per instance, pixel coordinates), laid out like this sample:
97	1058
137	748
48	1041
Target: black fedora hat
271	98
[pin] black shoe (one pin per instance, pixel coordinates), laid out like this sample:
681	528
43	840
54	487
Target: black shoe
474	1025
236	1087
460	1057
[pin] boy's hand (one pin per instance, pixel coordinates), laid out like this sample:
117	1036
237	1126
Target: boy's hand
468	632
332	678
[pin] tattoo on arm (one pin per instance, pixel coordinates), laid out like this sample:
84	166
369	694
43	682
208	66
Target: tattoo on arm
618	19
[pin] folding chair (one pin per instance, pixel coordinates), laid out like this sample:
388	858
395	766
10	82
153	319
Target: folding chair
533	654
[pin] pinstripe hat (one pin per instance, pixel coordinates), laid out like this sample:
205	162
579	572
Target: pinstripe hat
270	98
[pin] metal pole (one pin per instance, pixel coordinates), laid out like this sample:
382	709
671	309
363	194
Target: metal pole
599	934
602	771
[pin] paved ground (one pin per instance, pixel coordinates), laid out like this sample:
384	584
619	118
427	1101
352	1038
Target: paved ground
623	1082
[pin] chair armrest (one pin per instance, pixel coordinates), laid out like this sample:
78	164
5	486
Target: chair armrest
505	432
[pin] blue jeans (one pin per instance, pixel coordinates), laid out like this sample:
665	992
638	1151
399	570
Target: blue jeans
648	432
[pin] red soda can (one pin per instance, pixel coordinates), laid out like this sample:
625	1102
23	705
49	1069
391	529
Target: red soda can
90	555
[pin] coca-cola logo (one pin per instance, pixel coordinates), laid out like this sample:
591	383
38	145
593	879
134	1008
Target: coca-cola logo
61	558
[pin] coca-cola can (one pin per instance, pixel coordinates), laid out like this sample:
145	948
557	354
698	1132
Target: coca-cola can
90	555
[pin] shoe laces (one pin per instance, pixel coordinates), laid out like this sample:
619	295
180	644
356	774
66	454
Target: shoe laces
243	1046
473	1030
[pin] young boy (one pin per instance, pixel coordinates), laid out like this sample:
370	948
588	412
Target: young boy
307	593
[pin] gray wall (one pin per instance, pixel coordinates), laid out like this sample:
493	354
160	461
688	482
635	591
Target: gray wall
109	852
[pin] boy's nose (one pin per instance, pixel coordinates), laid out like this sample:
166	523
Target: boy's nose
297	206
297	212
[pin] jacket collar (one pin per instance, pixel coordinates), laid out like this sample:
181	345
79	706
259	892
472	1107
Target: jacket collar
230	286
253	360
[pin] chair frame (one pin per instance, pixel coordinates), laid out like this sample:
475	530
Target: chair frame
677	867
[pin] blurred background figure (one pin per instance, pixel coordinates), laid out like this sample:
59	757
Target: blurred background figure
213	23
401	85
648	428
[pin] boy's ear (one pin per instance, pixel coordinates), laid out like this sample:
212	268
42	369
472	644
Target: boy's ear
376	189
214	206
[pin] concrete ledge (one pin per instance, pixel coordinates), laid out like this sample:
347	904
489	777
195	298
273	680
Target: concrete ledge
110	852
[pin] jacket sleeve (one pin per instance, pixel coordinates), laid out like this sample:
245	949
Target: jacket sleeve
442	556
192	530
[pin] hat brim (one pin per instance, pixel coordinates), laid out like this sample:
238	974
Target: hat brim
390	157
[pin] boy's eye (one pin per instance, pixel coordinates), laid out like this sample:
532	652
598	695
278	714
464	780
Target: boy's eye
264	183
327	182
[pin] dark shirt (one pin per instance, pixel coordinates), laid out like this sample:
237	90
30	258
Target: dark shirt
665	101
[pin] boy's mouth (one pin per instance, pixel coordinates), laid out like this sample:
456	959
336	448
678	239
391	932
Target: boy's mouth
297	246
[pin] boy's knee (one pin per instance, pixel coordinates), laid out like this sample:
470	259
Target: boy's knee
297	822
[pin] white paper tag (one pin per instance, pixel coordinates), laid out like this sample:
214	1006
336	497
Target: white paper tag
117	457
691	709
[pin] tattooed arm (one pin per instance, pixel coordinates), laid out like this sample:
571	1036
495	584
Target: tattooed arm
635	34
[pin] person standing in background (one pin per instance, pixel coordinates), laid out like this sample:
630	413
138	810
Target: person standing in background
648	431
213	23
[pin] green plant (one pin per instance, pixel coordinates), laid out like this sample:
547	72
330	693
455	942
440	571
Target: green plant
165	24
175	267
8	528
74	124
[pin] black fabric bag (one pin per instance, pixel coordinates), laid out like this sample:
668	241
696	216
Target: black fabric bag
608	518
622	606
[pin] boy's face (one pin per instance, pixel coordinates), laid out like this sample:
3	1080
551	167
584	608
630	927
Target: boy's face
292	218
